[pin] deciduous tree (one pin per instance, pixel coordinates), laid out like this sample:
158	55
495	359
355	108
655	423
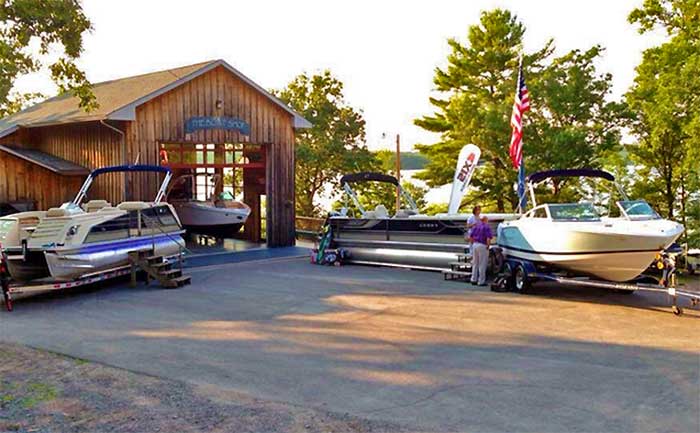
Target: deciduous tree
665	99
335	143
52	26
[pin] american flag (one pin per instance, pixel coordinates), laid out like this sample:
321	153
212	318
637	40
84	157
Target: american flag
520	106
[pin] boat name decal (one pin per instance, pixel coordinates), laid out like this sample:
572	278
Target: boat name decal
428	225
216	122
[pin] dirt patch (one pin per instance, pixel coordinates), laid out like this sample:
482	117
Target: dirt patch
46	392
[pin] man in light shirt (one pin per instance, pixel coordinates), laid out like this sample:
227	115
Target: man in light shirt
481	238
472	221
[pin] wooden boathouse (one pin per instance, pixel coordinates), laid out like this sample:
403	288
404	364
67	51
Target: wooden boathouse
205	118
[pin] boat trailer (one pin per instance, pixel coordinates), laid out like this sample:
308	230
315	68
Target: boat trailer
153	271
517	275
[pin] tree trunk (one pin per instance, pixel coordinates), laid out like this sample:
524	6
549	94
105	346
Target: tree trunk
670	193
684	199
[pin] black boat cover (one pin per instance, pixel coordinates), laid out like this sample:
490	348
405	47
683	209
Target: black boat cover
578	172
130	168
368	176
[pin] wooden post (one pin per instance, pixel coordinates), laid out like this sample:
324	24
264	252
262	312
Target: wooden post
398	171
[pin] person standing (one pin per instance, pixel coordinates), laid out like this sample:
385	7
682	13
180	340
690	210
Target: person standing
472	221
481	236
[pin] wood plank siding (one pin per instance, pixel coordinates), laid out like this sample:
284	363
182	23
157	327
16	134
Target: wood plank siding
20	180
162	119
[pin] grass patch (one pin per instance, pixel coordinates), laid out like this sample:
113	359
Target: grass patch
27	396
36	393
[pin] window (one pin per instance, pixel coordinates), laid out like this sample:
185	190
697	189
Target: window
573	212
637	209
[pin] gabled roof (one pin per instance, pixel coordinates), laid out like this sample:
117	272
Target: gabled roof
118	99
47	161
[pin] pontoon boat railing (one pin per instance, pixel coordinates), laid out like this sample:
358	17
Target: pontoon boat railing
125	169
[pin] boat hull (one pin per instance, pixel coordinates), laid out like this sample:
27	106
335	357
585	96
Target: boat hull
615	251
210	220
71	263
31	267
429	243
65	265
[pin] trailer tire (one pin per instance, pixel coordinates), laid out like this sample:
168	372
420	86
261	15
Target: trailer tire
521	282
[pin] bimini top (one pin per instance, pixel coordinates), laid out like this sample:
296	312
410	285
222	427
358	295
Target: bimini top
368	176
578	172
131	168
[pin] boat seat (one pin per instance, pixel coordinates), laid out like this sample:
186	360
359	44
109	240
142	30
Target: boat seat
405	213
381	211
95	205
133	205
56	212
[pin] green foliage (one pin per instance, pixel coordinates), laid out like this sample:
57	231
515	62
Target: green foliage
675	16
372	194
50	24
570	123
435	208
333	146
665	99
409	160
17	102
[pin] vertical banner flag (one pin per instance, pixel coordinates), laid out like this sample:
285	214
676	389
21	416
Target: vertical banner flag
466	164
520	106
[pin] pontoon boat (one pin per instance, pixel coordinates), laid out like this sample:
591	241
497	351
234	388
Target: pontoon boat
407	238
80	239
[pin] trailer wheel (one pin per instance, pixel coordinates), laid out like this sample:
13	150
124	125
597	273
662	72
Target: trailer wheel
521	282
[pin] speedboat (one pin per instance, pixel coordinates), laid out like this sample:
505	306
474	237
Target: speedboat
576	238
407	238
219	215
81	239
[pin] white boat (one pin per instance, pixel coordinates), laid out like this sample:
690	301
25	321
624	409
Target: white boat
219	216
574	237
80	239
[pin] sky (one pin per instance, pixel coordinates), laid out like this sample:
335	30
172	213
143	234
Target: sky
385	52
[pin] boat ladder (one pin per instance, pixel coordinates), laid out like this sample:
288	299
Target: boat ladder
461	270
166	270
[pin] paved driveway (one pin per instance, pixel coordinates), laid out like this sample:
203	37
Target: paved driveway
392	344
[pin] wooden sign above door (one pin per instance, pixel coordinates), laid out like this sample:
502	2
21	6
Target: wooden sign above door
209	122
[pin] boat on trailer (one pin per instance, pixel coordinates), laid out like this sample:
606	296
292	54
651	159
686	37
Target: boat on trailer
407	238
80	239
576	238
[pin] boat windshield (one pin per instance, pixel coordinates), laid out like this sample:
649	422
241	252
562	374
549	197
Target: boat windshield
637	209
573	212
5	226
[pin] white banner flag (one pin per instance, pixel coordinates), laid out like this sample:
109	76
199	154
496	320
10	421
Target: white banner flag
466	164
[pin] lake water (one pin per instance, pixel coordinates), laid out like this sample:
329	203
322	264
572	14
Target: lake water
433	196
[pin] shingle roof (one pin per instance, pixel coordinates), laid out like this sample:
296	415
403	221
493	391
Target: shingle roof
119	98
